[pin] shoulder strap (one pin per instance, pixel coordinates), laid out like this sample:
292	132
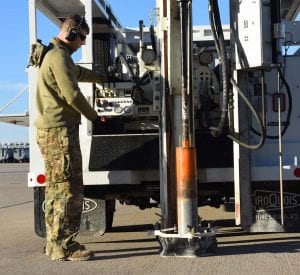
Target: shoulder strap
37	53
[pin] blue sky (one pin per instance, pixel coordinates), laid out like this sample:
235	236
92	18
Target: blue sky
15	48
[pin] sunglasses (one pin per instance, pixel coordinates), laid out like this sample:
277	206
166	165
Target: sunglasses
82	36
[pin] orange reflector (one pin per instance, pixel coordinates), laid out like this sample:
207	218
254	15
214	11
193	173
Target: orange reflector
297	172
41	179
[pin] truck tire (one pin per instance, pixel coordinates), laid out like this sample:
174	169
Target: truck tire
39	215
110	210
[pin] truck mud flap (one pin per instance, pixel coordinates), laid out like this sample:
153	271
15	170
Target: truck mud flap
96	219
266	210
97	216
93	219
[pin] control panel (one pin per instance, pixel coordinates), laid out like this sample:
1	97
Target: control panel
115	106
114	99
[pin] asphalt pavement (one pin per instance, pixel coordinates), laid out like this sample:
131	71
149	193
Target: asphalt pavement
129	249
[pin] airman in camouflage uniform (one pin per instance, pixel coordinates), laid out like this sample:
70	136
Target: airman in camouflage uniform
64	186
60	104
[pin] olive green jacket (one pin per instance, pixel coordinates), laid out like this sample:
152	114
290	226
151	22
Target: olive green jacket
59	100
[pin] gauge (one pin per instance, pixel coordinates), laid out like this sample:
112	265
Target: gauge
118	109
205	56
148	56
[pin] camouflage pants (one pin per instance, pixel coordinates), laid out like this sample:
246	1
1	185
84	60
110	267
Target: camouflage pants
64	185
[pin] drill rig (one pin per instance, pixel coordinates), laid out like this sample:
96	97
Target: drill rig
191	116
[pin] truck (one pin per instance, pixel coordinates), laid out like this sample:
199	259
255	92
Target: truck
192	116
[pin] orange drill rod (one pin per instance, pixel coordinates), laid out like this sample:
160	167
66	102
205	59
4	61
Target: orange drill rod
186	188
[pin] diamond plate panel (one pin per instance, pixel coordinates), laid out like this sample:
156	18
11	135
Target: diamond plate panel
124	153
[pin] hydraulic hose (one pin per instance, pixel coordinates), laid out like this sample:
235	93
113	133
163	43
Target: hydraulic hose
257	118
216	27
217	31
153	40
212	25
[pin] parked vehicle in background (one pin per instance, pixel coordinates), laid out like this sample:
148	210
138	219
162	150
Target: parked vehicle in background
14	152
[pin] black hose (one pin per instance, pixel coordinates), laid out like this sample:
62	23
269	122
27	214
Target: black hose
212	26
153	40
290	104
288	90
258	119
217	31
216	27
